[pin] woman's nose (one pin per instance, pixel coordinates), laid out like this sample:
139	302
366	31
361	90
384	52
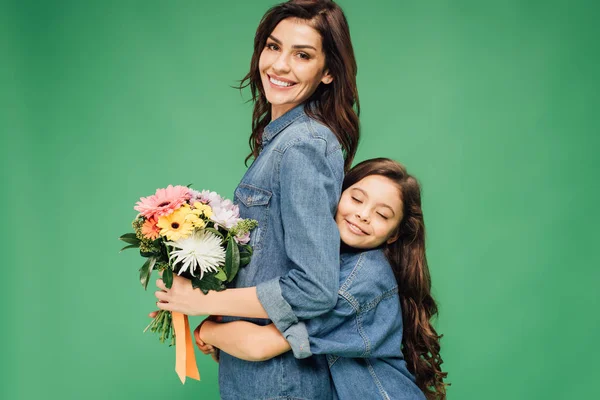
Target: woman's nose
281	64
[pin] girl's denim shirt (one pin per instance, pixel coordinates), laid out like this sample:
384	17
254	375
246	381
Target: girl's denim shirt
362	335
292	189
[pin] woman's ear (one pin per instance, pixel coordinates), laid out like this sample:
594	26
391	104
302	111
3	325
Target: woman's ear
327	78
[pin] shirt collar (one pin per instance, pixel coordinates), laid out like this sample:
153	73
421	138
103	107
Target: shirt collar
274	127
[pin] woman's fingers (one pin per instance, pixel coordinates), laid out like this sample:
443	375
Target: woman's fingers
161	285
162	296
153	314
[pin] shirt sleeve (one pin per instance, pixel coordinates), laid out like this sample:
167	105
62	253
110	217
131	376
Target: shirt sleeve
310	190
335	332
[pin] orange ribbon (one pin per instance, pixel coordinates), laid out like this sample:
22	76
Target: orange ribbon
185	359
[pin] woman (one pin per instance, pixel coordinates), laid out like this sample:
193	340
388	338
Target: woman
304	135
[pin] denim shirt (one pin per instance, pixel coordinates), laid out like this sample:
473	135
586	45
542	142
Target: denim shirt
292	189
362	335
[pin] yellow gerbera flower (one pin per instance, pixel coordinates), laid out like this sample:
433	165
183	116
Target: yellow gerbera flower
196	221
200	208
176	225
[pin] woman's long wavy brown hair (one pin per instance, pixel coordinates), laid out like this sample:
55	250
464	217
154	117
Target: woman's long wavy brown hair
420	341
335	105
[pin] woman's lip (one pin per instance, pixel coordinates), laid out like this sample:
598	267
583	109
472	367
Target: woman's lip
355	229
278	78
275	86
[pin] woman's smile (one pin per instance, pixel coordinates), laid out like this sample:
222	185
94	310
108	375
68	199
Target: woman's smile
280	83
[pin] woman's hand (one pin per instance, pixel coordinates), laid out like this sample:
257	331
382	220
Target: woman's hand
181	297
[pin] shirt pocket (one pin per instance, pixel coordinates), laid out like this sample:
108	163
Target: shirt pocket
254	204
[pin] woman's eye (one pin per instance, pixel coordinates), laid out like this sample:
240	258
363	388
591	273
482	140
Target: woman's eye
272	46
356	200
383	216
304	56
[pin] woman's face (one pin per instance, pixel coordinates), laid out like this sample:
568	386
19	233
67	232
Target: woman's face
292	65
369	212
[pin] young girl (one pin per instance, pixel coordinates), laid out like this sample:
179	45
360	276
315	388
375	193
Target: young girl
383	304
305	132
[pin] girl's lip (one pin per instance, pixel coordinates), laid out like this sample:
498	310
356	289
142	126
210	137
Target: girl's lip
355	228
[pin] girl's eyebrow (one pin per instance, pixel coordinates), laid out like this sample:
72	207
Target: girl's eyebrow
296	46
378	204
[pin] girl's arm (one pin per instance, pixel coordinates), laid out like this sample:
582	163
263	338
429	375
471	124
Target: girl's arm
245	340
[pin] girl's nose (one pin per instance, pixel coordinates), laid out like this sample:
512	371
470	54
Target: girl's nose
363	216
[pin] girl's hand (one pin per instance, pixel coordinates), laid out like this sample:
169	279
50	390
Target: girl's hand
181	297
204	347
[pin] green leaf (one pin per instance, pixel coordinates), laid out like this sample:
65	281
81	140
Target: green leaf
245	260
130	238
167	277
146	271
208	282
221	275
131	246
232	259
246	248
215	231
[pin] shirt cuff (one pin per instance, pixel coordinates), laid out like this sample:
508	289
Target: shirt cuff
279	310
297	337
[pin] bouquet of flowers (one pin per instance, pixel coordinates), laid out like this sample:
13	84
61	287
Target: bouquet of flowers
195	234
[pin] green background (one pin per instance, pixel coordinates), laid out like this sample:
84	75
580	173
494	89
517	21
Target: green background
492	104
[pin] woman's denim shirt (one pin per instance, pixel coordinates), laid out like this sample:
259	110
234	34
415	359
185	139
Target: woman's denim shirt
362	335
292	189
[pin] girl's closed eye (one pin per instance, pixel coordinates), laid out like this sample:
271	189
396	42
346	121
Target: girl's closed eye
356	200
383	215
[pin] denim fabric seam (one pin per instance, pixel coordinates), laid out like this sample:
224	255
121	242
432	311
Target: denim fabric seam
313	131
363	335
373	303
260	230
352	275
377	381
331	359
350	299
287	123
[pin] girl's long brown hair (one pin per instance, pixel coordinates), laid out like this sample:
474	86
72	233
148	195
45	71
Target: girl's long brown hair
420	341
335	105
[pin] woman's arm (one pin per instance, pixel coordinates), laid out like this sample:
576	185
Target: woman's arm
245	340
310	181
183	298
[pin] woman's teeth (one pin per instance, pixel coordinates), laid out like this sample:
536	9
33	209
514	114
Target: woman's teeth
280	83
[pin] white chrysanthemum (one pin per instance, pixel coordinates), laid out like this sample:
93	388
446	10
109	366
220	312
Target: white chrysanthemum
202	250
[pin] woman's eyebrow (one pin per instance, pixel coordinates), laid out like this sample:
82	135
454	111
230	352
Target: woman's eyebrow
296	46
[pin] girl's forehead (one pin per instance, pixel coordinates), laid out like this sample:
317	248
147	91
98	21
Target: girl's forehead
379	189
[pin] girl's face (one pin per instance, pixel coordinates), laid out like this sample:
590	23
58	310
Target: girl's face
292	65
369	212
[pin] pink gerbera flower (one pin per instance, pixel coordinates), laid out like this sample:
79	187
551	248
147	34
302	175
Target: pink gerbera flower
163	202
150	229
